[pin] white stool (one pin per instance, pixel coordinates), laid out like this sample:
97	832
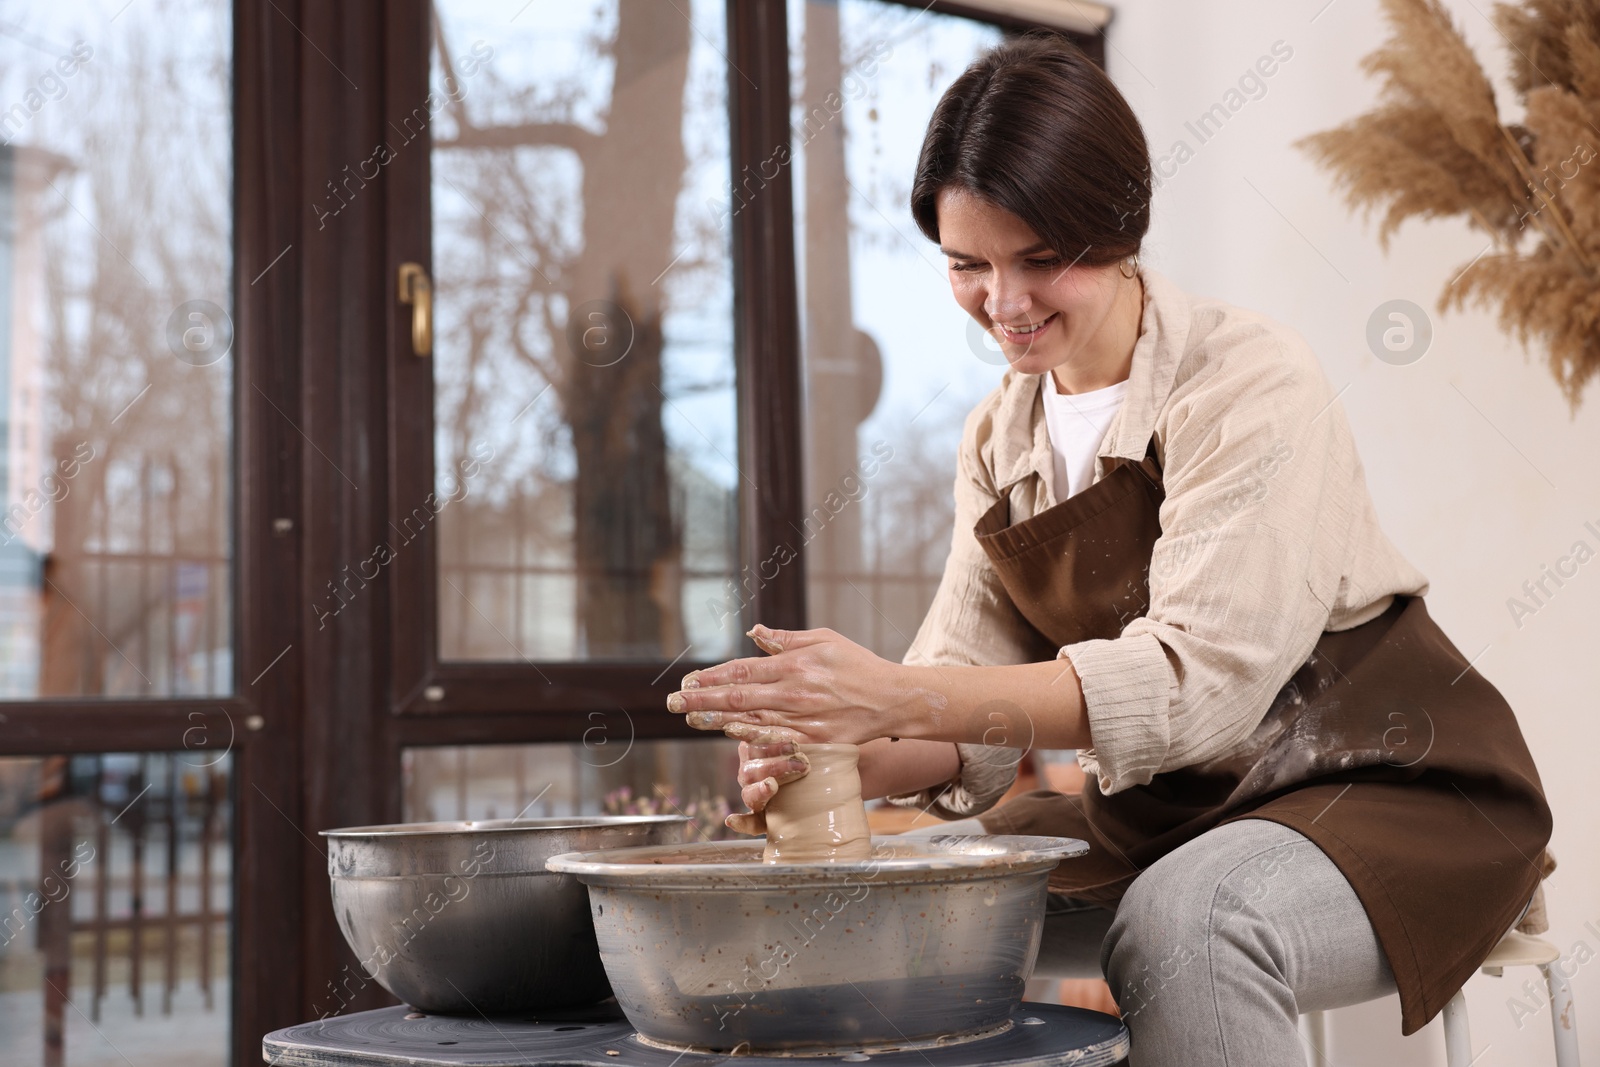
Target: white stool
1514	950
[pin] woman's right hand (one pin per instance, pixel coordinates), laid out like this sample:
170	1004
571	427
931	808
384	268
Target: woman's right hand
763	767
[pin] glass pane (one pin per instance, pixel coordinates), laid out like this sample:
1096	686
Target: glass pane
584	407
890	370
603	775
115	369
114	909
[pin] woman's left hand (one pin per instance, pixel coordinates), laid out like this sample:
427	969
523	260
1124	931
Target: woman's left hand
814	687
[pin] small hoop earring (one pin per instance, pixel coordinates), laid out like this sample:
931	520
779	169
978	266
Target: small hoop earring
1124	263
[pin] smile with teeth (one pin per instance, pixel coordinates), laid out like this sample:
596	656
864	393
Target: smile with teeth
1028	332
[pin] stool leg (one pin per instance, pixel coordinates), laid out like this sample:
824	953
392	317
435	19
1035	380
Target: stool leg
1563	1017
1317	1037
1457	1041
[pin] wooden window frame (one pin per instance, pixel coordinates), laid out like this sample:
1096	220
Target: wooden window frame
548	700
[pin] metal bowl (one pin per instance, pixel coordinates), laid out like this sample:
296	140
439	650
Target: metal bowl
462	917
929	942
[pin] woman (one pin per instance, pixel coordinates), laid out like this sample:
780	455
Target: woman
1298	793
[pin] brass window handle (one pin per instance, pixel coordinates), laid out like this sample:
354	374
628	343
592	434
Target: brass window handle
417	290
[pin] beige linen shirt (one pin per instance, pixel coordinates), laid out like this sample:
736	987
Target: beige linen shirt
1268	538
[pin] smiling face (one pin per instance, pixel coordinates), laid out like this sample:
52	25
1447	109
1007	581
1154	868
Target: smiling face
1047	313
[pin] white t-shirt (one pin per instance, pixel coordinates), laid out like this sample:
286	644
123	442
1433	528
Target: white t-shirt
1077	423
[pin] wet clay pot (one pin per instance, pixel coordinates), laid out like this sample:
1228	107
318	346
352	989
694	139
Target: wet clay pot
819	817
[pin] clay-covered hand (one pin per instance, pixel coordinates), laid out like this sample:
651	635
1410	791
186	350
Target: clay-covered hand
762	769
814	686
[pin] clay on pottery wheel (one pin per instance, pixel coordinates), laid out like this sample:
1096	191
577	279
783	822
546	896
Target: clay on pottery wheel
819	817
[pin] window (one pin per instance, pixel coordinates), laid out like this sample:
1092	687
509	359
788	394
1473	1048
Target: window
641	443
116	252
584	379
117	553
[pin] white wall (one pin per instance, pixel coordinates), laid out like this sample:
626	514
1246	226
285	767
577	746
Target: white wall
1478	473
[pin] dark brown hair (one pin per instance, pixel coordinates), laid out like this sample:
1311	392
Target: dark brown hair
1034	126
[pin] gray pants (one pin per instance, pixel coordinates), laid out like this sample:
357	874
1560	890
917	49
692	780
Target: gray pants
1219	946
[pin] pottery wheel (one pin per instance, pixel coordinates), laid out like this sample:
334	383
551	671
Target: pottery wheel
1042	1035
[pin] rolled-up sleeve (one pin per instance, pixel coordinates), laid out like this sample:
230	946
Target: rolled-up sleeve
971	622
1255	531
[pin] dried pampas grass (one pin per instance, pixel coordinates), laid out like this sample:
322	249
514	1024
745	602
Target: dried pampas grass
1436	147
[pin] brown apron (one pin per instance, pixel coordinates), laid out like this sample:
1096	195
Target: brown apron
1403	765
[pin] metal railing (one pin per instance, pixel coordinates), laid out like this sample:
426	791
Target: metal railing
132	888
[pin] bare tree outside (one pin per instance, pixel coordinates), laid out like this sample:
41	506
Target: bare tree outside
585	335
116	534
